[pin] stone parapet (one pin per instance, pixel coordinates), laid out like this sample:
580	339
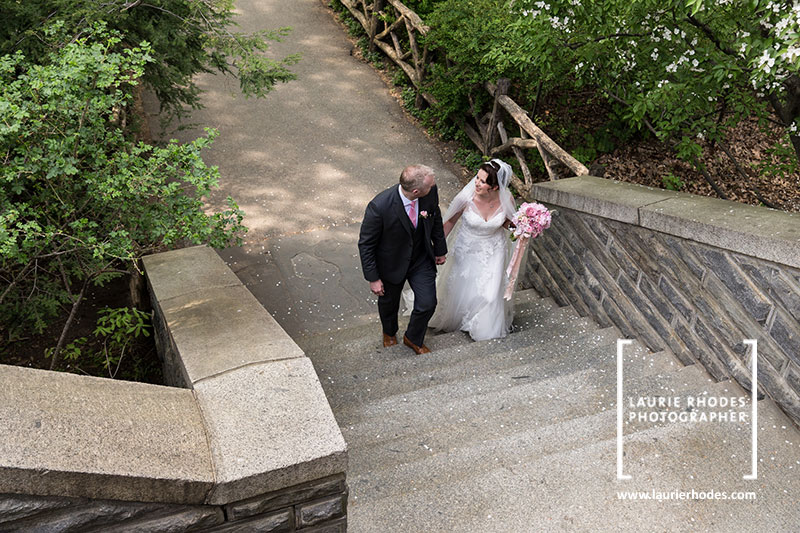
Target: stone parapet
692	275
249	443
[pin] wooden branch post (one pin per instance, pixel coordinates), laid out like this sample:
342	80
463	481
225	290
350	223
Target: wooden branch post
526	172
503	84
377	8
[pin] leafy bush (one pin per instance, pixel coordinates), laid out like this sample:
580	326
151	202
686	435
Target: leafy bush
115	332
469	158
185	36
80	202
672	182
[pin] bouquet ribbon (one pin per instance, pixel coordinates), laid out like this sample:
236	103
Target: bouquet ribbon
513	266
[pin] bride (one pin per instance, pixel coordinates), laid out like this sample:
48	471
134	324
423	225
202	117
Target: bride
472	282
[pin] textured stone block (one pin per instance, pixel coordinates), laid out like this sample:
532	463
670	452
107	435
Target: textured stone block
653	250
576	228
551	286
180	272
335	526
104	515
656	321
177	521
741	287
269	426
313	513
734	365
681	304
681	250
100	438
278	522
282	498
618	318
656	298
594	286
777	283
19	506
701	351
623	259
562	274
600	229
532	278
793	377
786	332
571	257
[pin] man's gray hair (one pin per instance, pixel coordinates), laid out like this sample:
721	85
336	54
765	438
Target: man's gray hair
413	177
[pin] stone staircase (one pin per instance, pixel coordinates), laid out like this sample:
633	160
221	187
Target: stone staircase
519	434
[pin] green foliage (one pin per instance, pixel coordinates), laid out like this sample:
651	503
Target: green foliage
185	36
116	330
409	96
79	202
354	27
684	70
469	158
373	57
400	79
672	182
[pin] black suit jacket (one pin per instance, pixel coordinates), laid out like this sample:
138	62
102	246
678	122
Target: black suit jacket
386	239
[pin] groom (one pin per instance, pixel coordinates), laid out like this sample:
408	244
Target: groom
402	239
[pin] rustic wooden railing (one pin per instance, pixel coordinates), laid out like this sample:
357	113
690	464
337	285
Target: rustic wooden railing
398	40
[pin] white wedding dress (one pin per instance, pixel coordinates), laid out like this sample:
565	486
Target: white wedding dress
470	288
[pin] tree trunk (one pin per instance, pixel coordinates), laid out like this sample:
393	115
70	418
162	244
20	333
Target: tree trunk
74	311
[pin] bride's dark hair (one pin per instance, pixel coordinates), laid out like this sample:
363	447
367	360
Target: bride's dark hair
491	171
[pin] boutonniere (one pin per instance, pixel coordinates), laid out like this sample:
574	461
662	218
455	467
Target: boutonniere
423	214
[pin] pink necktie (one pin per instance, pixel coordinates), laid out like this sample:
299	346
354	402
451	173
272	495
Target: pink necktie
412	214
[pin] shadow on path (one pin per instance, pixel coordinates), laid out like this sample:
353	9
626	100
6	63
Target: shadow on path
303	163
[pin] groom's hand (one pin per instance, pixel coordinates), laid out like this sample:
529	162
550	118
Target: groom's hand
376	287
440	259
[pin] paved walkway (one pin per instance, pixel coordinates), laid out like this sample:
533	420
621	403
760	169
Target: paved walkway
304	162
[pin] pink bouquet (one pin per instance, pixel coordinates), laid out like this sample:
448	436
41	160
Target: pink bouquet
531	219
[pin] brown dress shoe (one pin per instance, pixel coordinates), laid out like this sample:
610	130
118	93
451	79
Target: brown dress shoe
389	340
418	349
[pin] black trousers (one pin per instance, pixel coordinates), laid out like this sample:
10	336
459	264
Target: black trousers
421	277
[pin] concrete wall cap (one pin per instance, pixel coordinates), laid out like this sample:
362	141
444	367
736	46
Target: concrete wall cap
601	197
220	329
759	232
186	270
756	231
68	435
269	426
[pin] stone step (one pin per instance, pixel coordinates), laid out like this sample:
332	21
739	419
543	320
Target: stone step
576	490
530	309
363	358
460	450
483	363
573	381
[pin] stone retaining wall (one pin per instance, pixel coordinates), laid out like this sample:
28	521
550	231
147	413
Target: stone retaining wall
248	444
690	274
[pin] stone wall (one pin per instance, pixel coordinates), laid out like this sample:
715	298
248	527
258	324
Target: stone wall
312	507
690	274
248	444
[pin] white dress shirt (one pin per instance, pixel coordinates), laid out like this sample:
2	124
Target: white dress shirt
407	204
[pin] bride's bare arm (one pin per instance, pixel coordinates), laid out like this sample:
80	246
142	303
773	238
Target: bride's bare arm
448	226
